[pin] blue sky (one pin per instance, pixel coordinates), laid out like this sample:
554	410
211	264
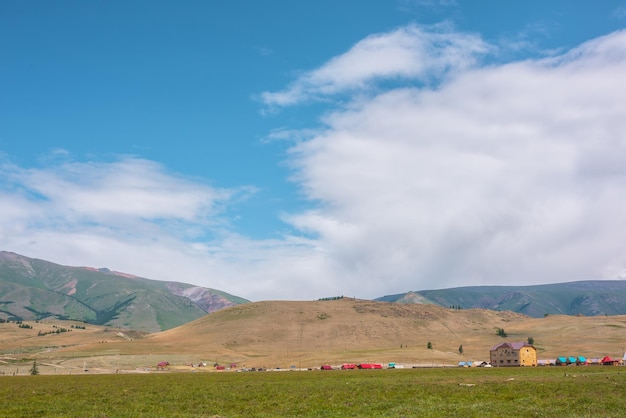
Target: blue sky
297	150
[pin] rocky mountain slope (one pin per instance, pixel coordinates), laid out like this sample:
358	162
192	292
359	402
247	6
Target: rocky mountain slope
32	289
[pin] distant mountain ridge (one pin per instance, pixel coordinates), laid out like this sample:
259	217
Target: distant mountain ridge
32	289
590	298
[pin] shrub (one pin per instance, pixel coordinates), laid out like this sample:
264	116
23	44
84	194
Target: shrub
34	370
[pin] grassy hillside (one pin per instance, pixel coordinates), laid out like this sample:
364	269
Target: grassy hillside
596	297
354	330
32	289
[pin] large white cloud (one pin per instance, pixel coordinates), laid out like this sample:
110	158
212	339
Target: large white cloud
505	174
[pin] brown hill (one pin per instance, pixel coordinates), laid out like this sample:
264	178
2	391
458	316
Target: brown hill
307	334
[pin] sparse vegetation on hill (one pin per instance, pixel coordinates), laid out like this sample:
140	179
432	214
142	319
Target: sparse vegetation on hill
286	334
272	334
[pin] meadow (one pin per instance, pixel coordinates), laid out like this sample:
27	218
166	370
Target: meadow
593	391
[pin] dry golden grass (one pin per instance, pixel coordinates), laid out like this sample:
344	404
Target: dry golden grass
308	334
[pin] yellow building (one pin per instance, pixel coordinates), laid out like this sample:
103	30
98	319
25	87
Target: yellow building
513	355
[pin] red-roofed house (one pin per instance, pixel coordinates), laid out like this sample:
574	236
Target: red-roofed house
608	361
513	355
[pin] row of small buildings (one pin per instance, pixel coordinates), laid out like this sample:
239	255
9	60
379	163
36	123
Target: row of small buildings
520	354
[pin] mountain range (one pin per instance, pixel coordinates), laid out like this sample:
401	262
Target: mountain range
589	298
32	289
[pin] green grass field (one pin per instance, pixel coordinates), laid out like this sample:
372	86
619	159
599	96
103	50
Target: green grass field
533	392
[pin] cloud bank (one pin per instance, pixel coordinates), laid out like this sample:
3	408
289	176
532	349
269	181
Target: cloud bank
505	174
466	174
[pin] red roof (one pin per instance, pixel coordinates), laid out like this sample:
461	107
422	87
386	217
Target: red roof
370	366
607	359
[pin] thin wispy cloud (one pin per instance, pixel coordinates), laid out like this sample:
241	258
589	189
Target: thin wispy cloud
427	4
410	53
264	51
619	13
136	196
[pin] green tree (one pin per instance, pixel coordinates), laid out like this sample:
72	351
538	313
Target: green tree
501	332
429	345
461	349
531	341
34	370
